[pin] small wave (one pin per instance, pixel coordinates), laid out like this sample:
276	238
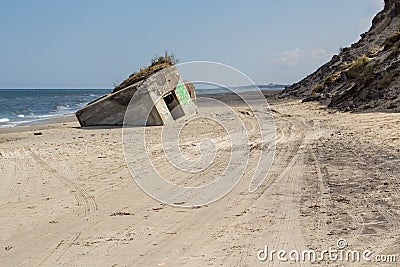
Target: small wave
33	116
63	107
15	123
21	116
4	120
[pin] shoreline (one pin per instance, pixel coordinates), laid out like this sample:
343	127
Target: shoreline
39	124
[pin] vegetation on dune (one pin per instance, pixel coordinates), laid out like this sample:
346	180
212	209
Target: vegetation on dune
357	65
318	88
350	70
392	40
331	78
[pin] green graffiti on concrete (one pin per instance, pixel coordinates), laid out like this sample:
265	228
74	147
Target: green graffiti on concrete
183	95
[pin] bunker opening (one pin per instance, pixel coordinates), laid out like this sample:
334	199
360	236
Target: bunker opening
173	105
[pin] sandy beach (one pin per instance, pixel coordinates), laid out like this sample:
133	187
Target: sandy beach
67	197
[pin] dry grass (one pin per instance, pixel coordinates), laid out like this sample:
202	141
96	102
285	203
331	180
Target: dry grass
356	67
318	88
157	64
392	40
332	78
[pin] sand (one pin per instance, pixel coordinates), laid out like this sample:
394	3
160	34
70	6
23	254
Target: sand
67	197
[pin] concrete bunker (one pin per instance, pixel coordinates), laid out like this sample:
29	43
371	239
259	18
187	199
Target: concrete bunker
154	96
173	105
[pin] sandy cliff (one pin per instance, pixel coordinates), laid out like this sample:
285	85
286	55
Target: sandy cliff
364	76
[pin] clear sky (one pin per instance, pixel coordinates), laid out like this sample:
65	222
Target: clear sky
96	43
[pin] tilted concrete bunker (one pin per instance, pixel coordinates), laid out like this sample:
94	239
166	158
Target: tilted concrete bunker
159	99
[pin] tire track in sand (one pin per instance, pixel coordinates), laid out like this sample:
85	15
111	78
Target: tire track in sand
83	198
56	253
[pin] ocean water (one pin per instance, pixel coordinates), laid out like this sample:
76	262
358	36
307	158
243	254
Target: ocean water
21	106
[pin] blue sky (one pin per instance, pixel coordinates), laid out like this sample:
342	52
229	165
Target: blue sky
94	44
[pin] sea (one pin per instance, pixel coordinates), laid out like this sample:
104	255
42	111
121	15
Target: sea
25	106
